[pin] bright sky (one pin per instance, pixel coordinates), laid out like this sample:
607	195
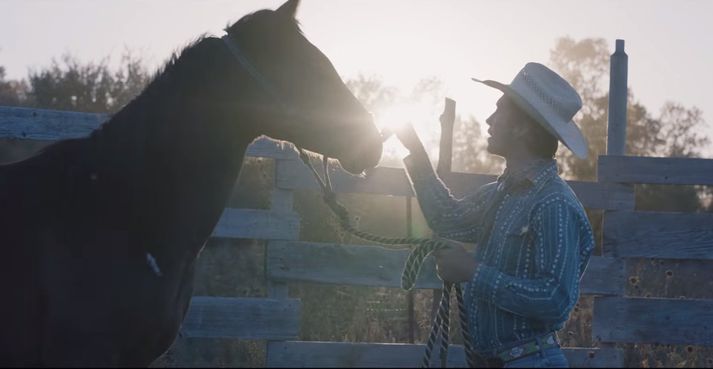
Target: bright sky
399	41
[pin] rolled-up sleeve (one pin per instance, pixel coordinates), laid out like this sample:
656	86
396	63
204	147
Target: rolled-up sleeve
452	218
560	245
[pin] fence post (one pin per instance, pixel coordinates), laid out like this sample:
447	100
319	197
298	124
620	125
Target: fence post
618	70
281	201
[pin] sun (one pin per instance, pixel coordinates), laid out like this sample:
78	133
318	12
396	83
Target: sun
393	117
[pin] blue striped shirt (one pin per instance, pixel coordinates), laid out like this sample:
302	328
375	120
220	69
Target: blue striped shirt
527	279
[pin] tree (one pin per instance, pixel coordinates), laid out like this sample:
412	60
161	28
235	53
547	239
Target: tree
470	149
90	87
675	132
12	93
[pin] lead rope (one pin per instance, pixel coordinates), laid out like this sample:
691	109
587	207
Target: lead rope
414	261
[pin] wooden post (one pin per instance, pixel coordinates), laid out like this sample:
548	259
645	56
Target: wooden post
281	201
409	294
618	70
616	131
445	153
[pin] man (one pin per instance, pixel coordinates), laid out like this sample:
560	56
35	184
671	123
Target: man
533	239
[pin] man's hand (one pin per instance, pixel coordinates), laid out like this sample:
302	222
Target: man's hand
454	264
408	137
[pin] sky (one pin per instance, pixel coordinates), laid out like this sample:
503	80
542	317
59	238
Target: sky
398	41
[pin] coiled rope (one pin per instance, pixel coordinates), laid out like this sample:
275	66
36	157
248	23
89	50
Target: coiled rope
424	246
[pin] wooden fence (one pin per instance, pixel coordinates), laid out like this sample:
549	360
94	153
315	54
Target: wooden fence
626	234
617	318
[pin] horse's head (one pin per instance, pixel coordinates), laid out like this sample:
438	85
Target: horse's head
316	110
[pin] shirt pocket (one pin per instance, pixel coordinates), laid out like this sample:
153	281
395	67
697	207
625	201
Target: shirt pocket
517	249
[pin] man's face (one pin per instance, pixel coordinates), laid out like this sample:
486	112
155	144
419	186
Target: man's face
505	127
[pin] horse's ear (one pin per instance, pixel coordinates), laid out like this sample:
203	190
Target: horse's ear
289	8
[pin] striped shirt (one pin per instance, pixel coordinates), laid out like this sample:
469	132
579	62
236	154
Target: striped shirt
527	279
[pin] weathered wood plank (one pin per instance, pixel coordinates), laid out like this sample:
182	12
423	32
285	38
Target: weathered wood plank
362	265
658	235
302	354
293	175
42	124
633	169
244	318
606	196
269	148
604	276
649	320
593	195
375	266
258	224
52	125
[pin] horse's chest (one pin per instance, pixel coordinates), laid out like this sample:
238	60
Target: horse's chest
126	308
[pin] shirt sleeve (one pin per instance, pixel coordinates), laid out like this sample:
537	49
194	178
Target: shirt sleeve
452	218
562	244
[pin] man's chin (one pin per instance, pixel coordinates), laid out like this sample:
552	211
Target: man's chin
491	149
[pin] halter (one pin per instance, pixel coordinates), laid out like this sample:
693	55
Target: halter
269	89
415	259
252	71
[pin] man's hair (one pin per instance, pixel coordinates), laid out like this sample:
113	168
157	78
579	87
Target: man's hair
538	139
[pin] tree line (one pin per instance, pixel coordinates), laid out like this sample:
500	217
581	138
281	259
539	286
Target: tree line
674	131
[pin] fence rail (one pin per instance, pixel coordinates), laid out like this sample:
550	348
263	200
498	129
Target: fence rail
376	266
399	355
633	169
653	320
639	234
243	318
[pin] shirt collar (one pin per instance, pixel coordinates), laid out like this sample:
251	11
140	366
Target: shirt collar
534	173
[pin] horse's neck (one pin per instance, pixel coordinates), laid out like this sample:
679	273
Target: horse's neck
184	169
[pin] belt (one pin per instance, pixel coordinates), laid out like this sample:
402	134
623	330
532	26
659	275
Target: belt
525	348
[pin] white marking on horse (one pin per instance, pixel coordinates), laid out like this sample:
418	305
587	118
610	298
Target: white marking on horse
151	261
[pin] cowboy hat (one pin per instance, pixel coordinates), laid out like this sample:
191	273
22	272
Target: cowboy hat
550	100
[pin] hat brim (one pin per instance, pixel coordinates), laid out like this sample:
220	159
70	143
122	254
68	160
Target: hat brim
567	131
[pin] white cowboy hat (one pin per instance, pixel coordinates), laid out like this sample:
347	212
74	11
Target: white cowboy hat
550	100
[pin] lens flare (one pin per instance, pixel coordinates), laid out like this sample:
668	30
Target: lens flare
392	118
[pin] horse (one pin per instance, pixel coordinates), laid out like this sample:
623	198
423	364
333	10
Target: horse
100	235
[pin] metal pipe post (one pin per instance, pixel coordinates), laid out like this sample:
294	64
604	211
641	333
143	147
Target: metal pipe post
616	139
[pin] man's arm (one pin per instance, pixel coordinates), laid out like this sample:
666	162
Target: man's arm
447	216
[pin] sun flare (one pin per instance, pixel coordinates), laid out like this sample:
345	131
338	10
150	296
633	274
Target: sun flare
394	117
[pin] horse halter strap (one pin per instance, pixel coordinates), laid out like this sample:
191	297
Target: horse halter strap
252	71
271	91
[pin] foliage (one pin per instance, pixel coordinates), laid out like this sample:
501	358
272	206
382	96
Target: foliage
675	132
69	84
12	93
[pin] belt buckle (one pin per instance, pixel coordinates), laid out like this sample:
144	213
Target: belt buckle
516	351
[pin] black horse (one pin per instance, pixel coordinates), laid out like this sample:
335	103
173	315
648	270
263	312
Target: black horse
100	235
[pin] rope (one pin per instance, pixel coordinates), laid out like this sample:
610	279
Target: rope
414	262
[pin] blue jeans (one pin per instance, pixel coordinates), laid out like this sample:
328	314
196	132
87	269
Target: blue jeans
549	358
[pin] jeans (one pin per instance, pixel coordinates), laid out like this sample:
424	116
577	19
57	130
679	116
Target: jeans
549	358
